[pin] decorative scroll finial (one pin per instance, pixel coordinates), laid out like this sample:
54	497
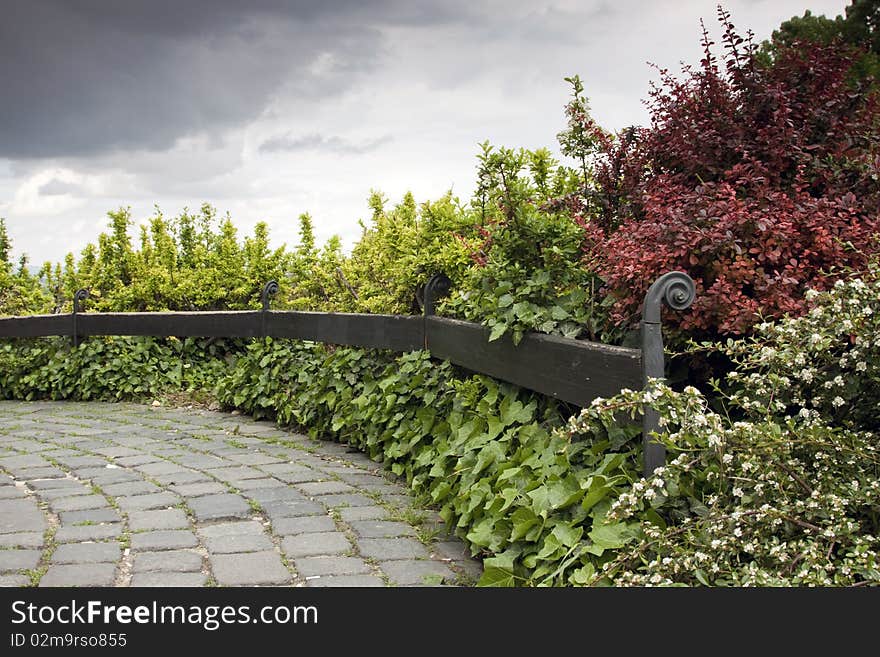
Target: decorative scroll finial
81	295
677	290
437	286
270	289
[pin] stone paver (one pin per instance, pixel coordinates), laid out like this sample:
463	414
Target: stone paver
218	507
90	516
199	497
305	545
169	561
392	548
302	525
354	581
14	580
77	534
325	488
238	543
235	528
351	514
173	579
11	560
172	539
157	519
381	528
147	502
235	537
250	569
199	489
21	515
417	573
53	484
23	540
79	503
131	488
346	500
91	574
80	553
320	566
292	509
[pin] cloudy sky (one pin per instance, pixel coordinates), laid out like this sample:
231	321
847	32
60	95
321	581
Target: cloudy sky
270	108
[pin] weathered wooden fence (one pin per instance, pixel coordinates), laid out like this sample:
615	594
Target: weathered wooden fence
574	371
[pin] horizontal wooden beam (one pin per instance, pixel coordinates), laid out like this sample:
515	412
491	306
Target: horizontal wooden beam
227	324
574	371
35	326
395	332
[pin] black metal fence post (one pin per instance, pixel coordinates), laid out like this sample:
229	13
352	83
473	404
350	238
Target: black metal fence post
270	289
437	286
677	290
81	295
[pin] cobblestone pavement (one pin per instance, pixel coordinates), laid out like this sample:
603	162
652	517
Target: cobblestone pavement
95	494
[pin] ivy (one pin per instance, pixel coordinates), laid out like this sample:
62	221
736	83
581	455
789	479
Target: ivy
109	368
490	456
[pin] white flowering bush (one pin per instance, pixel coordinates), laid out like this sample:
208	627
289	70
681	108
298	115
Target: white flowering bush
771	502
824	365
783	489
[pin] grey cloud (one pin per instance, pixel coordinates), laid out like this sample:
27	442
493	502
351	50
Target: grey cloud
96	76
315	142
57	187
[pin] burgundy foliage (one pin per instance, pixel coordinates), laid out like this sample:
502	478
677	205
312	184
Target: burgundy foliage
758	178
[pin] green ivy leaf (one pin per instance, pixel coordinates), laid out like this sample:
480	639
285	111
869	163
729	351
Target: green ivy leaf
610	536
523	520
559	313
497	331
494	576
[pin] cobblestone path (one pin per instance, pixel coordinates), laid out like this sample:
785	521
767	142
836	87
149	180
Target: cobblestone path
96	494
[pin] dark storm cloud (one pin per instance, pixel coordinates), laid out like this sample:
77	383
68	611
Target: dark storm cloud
92	76
315	142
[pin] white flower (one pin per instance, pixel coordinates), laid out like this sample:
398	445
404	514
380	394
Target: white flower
837	402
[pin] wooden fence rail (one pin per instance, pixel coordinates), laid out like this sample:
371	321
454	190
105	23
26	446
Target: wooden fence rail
574	371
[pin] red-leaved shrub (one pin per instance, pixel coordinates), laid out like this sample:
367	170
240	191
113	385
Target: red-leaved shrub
759	180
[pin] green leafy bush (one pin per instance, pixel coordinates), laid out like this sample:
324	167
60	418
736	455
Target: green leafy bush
111	368
527	273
